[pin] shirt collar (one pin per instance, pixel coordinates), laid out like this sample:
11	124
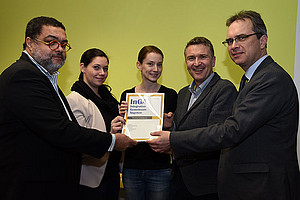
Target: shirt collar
202	86
249	73
40	67
52	77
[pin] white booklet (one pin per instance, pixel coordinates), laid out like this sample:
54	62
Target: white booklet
144	115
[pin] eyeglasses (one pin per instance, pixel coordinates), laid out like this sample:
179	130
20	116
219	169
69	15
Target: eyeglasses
238	38
54	44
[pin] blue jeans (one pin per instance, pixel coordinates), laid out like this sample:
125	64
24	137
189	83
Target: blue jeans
146	184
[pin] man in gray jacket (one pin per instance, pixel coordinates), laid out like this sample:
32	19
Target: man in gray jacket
206	101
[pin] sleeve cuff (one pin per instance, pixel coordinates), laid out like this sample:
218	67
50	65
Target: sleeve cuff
113	141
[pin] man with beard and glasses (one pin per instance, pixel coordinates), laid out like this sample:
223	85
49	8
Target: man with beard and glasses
40	140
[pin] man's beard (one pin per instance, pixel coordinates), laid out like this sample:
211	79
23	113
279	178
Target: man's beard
48	63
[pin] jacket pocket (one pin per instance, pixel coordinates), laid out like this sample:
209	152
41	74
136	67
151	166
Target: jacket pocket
251	168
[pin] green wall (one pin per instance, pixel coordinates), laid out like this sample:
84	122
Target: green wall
122	27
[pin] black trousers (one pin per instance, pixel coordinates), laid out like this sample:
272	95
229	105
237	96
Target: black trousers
107	190
178	190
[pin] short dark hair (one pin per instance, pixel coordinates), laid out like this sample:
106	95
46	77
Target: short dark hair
148	49
200	40
258	24
34	26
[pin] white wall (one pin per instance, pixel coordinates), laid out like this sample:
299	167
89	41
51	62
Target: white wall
297	67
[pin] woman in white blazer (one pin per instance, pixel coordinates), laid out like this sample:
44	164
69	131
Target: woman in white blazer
94	107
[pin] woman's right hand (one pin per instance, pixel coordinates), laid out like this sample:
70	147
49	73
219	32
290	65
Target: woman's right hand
168	121
123	108
116	125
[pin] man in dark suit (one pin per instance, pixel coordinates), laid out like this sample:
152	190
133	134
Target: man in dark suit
40	140
207	100
258	158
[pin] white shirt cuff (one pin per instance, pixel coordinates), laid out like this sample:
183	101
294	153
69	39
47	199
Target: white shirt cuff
113	141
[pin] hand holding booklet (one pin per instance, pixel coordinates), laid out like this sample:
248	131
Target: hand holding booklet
144	115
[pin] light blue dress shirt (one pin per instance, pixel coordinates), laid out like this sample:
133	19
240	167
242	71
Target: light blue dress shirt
196	92
249	73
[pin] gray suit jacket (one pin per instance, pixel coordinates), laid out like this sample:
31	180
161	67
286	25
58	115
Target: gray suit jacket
214	105
259	159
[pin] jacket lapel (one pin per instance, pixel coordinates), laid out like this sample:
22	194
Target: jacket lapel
67	105
183	108
25	57
262	65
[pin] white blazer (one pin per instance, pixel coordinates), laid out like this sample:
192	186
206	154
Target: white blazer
89	116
